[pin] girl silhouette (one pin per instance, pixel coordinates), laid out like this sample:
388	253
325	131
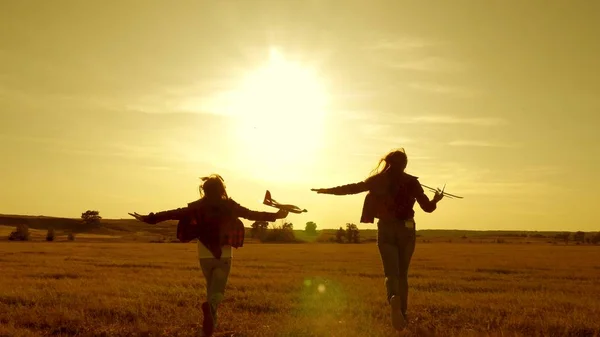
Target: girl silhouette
213	220
391	196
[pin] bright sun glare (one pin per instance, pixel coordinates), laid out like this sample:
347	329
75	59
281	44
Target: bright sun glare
280	109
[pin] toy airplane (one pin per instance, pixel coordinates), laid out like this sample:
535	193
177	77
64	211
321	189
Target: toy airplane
290	208
451	196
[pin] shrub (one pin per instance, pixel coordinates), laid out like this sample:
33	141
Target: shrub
50	235
340	235
20	234
280	234
259	230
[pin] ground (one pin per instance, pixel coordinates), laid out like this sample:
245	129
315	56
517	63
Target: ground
156	289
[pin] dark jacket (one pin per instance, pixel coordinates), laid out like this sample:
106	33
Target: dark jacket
387	197
214	223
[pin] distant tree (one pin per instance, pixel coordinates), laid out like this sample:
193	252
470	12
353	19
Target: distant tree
91	217
20	234
259	229
339	235
596	238
579	237
311	228
352	233
563	237
50	235
288	226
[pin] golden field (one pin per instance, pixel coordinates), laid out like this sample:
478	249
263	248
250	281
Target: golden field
144	289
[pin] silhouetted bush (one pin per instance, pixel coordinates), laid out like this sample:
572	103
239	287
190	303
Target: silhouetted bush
50	235
283	233
259	230
596	238
20	234
352	233
340	235
579	237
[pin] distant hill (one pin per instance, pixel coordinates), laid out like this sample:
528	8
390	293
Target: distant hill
133	229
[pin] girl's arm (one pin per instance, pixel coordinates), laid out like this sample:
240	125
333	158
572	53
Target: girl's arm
354	188
154	218
243	212
426	204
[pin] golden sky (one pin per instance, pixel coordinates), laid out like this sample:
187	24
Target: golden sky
120	106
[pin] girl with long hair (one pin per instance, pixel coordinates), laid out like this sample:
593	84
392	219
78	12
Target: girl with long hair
391	196
214	221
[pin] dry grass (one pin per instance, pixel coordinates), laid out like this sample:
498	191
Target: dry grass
82	288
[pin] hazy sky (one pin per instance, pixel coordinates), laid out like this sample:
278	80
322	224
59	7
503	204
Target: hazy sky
120	106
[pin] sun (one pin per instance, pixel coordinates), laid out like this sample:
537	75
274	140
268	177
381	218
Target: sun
280	109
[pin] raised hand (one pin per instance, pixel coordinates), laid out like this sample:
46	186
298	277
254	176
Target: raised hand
439	195
142	218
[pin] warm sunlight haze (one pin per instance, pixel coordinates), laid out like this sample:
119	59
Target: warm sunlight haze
128	115
279	111
210	168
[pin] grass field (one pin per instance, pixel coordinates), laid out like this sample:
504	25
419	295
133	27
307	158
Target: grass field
140	289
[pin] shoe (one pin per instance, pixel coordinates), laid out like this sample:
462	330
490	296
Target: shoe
208	323
398	320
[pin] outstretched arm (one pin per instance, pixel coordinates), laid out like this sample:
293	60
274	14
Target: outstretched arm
243	212
354	188
154	218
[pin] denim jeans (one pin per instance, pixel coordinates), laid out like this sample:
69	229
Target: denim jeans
396	242
216	273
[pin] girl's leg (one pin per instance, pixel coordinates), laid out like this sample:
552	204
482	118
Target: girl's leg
219	277
406	244
388	248
207	266
389	257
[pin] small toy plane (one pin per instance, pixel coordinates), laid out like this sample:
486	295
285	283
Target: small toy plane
451	196
290	208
